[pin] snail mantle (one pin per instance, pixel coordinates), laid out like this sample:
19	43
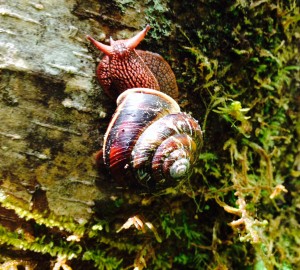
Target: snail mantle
149	142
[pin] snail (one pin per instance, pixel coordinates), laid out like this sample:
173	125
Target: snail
149	142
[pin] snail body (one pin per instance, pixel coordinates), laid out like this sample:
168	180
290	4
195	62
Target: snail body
149	141
123	67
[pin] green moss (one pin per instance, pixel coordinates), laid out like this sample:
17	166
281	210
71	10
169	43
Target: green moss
157	16
246	75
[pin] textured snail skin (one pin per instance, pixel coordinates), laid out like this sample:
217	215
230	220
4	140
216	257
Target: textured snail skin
146	136
123	67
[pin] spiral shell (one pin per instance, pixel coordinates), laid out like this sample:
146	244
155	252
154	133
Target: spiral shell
149	142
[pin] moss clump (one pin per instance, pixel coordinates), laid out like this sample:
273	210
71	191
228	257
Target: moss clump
157	15
243	67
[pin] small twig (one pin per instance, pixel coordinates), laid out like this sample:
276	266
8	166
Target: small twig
251	224
12	136
56	128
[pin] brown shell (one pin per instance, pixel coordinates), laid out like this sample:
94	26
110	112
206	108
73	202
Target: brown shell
167	150
137	108
144	123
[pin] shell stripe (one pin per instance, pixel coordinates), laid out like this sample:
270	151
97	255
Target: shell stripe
172	137
131	118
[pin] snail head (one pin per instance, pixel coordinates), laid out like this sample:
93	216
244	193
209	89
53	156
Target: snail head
120	47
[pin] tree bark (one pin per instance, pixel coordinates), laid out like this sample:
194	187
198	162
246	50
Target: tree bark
53	114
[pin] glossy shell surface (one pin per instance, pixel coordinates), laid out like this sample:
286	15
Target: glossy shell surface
149	142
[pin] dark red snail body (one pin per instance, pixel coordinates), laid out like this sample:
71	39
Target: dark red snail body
123	67
148	142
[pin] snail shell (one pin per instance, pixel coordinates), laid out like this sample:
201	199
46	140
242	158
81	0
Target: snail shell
149	141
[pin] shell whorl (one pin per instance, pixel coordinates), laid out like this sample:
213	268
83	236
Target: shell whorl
149	141
167	150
